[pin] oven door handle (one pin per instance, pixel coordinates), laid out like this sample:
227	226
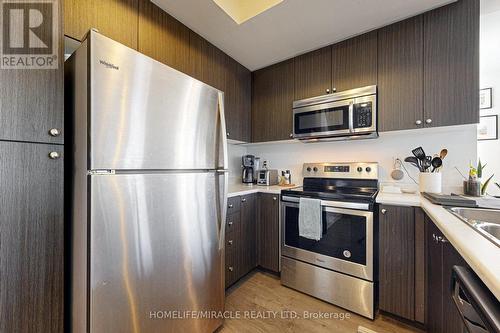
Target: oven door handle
333	204
351	116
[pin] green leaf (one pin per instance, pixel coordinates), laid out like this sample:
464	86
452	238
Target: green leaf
485	185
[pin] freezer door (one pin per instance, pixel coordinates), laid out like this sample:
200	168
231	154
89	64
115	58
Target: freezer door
154	253
146	115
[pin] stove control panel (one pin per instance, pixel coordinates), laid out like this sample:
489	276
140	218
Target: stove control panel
348	170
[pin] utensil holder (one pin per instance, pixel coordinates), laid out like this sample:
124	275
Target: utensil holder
430	182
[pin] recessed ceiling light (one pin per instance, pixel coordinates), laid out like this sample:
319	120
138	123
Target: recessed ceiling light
243	10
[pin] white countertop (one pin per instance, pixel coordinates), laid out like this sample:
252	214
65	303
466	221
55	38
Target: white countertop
482	255
244	189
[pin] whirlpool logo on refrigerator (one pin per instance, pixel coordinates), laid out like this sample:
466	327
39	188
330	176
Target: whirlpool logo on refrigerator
109	65
29	34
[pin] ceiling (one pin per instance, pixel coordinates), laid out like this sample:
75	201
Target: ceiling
489	6
292	27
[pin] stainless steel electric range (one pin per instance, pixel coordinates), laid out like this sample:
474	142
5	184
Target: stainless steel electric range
339	267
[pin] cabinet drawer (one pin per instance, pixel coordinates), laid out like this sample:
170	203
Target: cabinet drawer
231	241
230	268
233	205
232	222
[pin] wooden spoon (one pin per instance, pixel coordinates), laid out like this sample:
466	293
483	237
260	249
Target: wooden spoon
443	153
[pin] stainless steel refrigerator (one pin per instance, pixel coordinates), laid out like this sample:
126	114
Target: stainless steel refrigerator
147	175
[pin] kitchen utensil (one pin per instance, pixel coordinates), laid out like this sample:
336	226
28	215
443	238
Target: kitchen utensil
427	163
443	153
419	153
436	163
413	161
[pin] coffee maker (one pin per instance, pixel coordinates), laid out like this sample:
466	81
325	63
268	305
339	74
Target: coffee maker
248	164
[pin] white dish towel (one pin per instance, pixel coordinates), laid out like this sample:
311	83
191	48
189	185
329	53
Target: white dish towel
310	225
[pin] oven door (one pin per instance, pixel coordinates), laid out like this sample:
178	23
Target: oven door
329	119
346	245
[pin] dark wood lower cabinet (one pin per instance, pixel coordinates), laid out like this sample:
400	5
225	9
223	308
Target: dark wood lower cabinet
248	233
442	315
268	237
240	237
31	238
397	260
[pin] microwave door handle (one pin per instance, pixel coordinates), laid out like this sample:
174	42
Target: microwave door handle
351	116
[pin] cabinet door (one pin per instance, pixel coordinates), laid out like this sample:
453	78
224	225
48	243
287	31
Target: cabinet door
31	238
32	101
400	75
272	97
237	94
434	308
162	37
452	322
248	233
117	19
268	242
206	62
451	64
354	62
397	260
313	73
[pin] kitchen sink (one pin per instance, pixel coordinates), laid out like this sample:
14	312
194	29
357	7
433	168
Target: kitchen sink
484	221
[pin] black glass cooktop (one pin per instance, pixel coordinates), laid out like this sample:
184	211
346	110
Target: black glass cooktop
336	189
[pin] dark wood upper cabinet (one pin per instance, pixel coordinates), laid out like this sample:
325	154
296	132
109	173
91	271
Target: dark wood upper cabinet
116	19
207	63
451	64
162	37
31	238
32	101
272	98
237	94
268	236
313	73
354	62
397	260
400	75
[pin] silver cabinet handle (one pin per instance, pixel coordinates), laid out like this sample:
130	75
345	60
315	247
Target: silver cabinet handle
334	89
227	134
54	155
229	223
243	200
230	242
230	206
230	268
428	121
274	198
291	135
328	90
418	122
383	211
54	132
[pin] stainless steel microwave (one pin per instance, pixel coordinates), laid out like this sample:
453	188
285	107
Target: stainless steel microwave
344	115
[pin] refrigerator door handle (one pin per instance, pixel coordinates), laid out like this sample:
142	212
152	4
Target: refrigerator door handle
223	135
223	207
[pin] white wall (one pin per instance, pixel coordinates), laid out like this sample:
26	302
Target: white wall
459	140
489	151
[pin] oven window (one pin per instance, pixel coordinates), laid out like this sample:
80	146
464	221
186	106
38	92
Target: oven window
331	119
344	236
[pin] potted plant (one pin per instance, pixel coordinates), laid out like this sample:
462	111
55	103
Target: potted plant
474	186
